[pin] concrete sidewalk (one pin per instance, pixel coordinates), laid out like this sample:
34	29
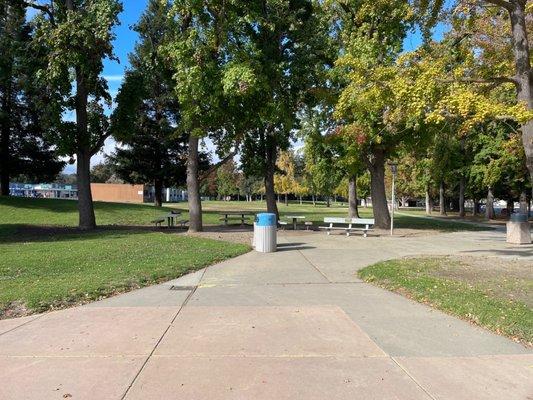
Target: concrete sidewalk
296	324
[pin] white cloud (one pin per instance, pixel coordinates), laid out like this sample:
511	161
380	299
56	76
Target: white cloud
113	78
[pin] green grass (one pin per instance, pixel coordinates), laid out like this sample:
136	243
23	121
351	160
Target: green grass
53	271
480	301
46	263
21	211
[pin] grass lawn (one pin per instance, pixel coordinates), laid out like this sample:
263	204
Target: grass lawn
45	263
496	294
22	211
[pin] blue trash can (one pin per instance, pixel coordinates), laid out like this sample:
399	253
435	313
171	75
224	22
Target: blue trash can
265	233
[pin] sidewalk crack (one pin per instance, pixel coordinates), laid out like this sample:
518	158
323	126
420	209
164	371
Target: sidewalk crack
161	338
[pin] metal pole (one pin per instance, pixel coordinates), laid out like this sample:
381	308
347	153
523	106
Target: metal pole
392	205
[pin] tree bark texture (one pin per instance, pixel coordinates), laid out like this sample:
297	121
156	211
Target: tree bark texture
489	209
442	199
87	218
524	206
462	197
5	132
377	190
193	186
429	206
270	168
523	72
353	211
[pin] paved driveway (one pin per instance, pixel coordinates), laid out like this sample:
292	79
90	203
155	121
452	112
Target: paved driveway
296	324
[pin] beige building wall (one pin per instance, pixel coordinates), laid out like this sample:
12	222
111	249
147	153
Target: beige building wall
117	192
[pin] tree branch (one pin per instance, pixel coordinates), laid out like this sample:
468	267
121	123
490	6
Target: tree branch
219	164
40	7
497	80
501	3
99	143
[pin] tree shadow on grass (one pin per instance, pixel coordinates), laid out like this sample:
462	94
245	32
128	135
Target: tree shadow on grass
23	233
71	206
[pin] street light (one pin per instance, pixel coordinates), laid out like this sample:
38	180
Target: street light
394	170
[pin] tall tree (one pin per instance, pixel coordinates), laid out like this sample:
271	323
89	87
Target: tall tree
206	80
287	49
24	150
76	36
147	111
370	34
493	25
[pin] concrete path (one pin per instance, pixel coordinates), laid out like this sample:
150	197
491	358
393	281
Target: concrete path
296	324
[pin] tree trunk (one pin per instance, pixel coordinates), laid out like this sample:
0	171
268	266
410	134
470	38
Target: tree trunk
523	72
87	219
286	199
301	202
377	190
524	207
270	194
328	201
158	193
510	206
353	212
193	186
4	152
462	197
489	209
475	211
428	202
314	200
442	200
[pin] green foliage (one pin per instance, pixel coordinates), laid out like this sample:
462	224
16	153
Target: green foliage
25	154
228	179
76	41
147	109
102	173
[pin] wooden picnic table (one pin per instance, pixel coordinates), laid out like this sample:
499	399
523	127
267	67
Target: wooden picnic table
295	219
227	215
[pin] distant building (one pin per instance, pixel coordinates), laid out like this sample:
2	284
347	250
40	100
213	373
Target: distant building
126	193
56	191
44	190
112	192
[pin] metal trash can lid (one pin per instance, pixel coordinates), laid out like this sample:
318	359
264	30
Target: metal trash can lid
518	217
265	219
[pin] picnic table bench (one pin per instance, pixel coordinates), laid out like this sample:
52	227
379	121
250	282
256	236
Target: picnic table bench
171	219
347	225
226	216
294	219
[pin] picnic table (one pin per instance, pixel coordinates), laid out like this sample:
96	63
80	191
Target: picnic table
238	215
171	218
295	219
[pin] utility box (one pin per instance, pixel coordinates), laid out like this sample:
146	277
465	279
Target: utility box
265	233
518	229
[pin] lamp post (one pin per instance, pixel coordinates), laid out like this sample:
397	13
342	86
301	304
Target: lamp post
394	170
